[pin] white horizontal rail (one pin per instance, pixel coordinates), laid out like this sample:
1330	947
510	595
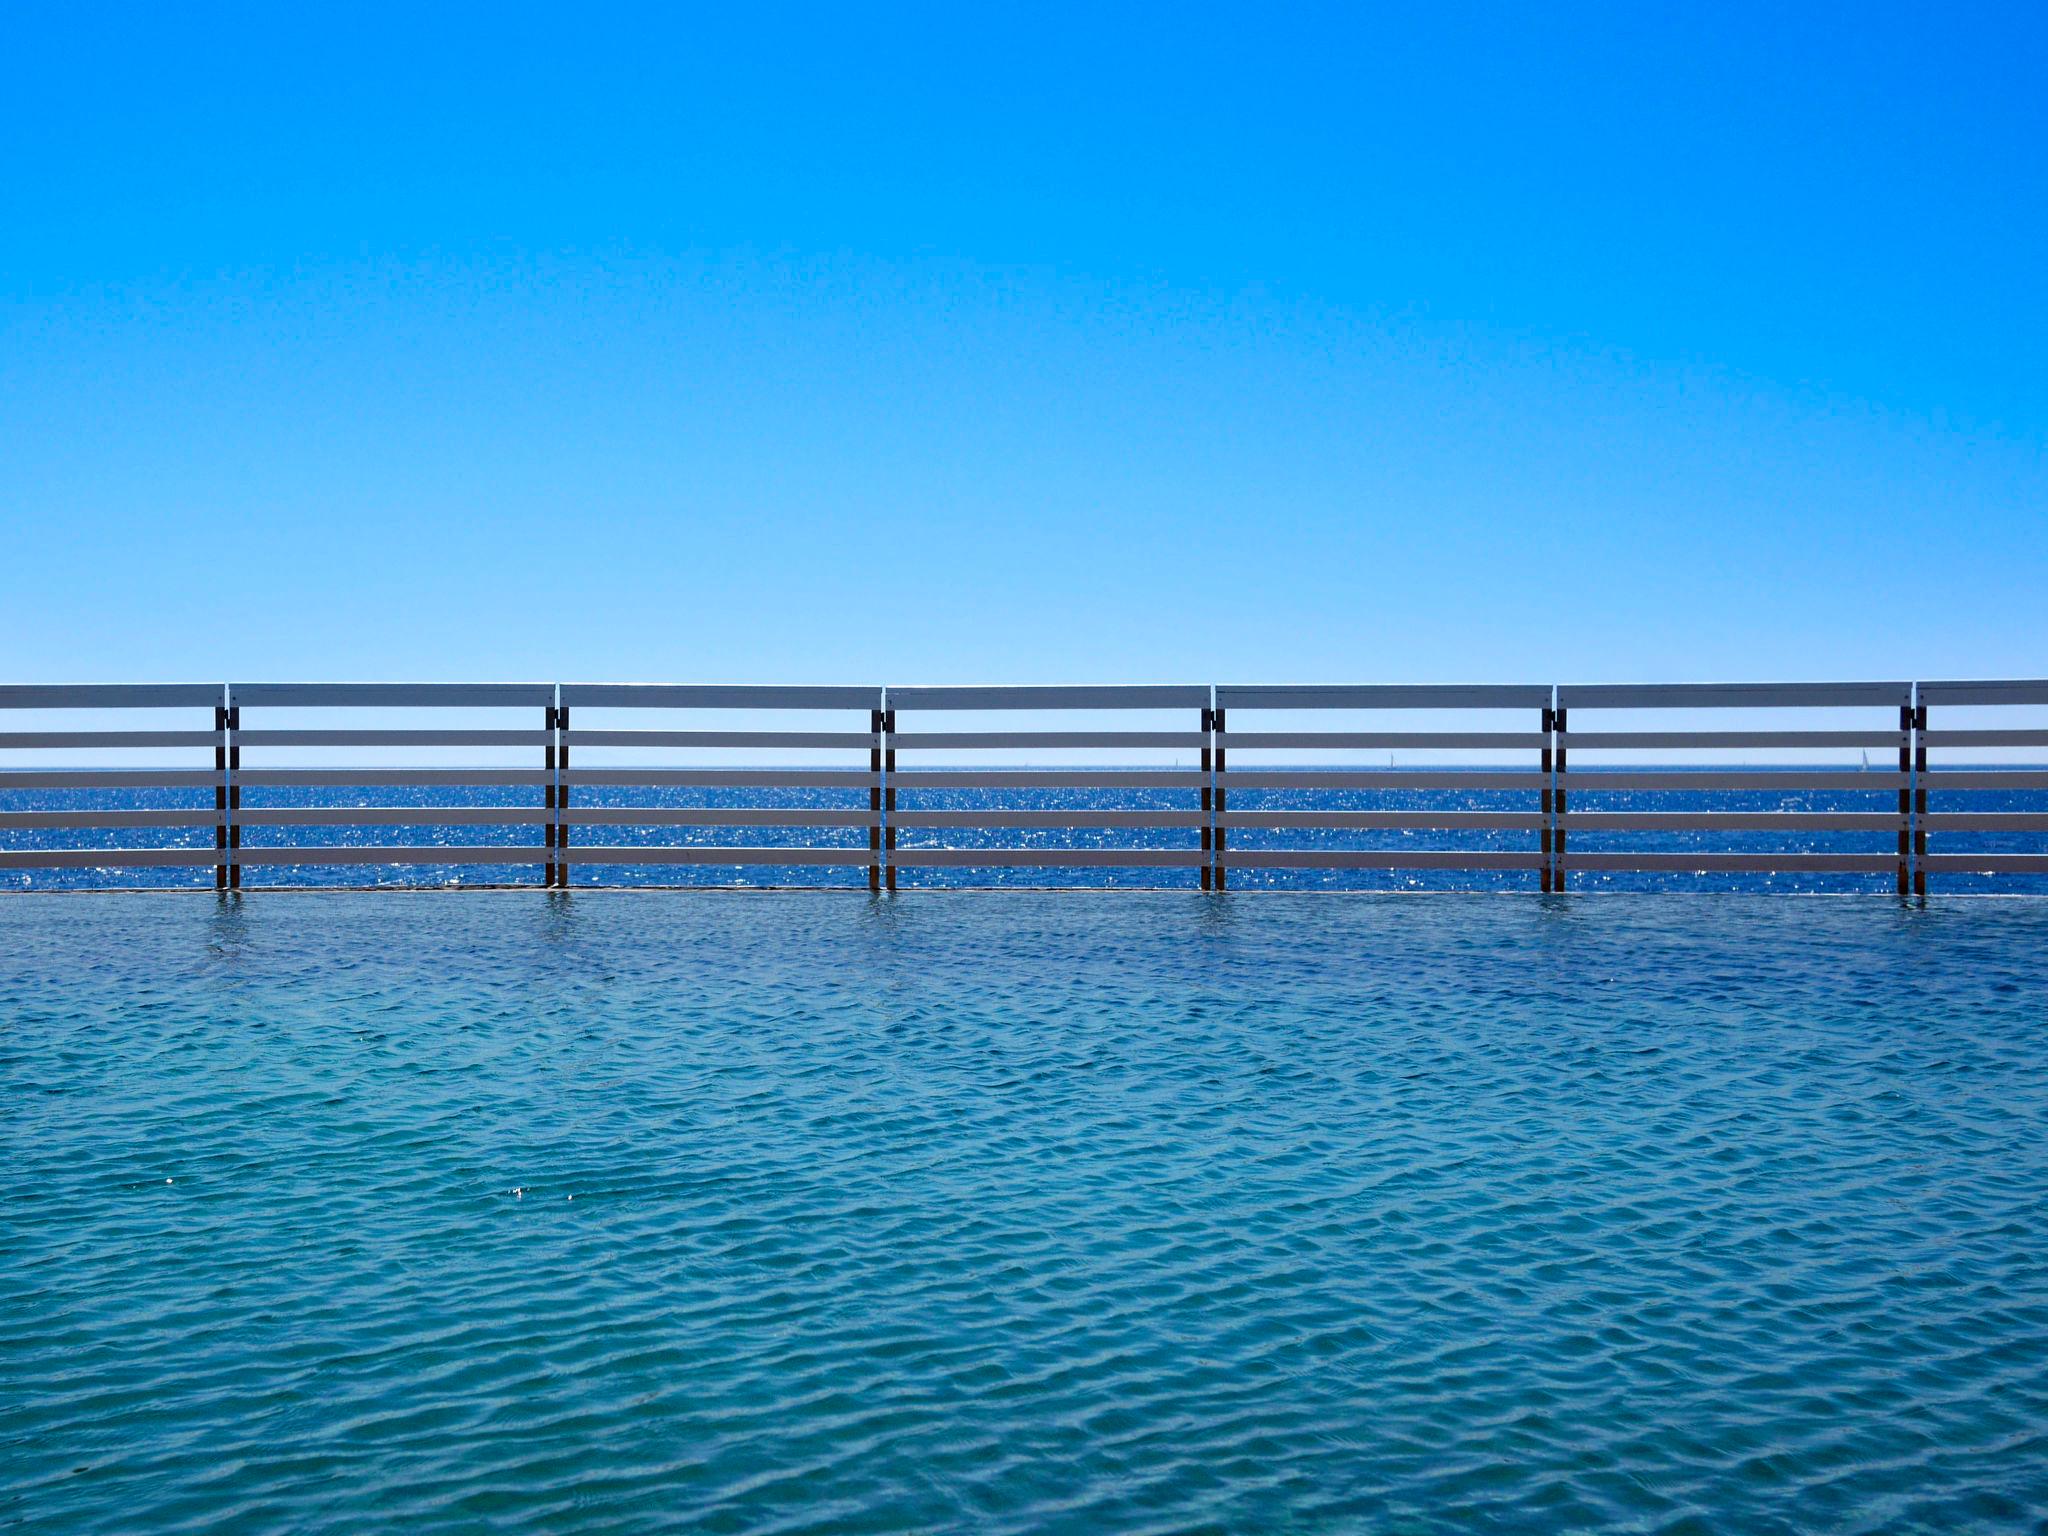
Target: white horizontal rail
863	740
1604	781
983	741
1594	741
367	738
39	741
1732	821
1074	696
1989	691
1377	858
713	816
1750	863
1383	696
1429	821
107	858
1988	863
60	820
1048	778
338	778
1065	818
1050	858
718	696
1380	778
1382	740
1991	738
393	816
724	778
1985	821
698	853
1731	695
393	695
379	853
110	778
111	695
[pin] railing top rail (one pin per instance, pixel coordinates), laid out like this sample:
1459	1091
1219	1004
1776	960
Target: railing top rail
393	695
1987	691
1243	696
110	695
1728	695
1070	696
719	696
1383	696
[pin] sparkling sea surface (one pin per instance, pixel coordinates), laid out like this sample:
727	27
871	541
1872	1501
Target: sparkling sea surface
1880	841
1007	1211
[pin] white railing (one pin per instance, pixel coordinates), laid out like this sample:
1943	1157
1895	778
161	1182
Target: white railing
1168	800
1882	722
1167	786
1298	793
1955	824
855	727
534	784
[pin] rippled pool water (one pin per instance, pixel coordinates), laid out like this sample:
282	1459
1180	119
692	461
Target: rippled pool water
1014	1212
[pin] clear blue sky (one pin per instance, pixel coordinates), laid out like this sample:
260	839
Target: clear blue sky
1014	344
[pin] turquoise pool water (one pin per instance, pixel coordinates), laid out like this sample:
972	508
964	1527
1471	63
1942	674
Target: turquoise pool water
1022	1212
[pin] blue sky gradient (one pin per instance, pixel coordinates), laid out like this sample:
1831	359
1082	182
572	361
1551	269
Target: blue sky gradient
1007	344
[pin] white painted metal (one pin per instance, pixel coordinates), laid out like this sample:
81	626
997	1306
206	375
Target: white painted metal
1985	821
1371	858
1383	696
107	858
2000	738
109	778
110	696
393	816
1055	818
44	820
1441	821
393	695
931	741
1998	691
725	778
1730	821
1050	778
675	853
1730	695
258	738
713	816
1996	779
1385	740
40	741
1580	781
1752	863
717	696
1076	696
1050	858
1988	863
861	740
1380	778
368	853
1603	780
1583	741
272	778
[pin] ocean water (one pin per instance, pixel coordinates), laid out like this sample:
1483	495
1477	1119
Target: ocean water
766	874
1013	1212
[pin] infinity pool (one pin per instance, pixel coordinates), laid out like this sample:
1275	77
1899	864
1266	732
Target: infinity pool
1022	1212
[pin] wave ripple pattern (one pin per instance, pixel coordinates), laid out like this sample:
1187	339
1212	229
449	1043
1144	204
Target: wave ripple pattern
1011	1212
